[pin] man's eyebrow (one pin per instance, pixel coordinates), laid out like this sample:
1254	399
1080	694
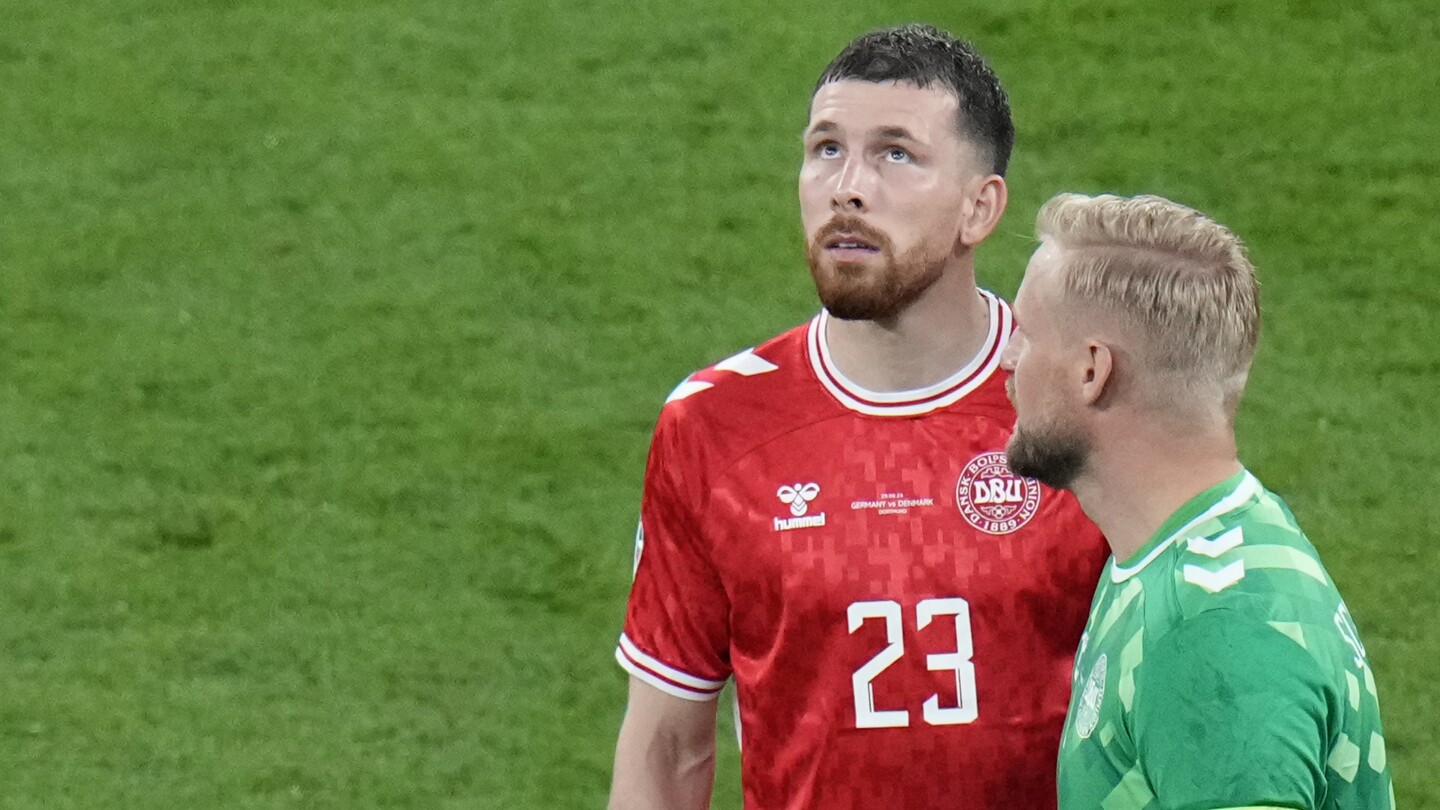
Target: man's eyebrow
897	134
886	133
820	128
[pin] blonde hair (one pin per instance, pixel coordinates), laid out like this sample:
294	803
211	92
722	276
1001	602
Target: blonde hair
1180	281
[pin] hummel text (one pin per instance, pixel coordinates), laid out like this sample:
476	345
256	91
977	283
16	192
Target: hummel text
786	524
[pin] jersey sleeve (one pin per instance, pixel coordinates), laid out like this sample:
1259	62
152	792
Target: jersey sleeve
1230	712
677	622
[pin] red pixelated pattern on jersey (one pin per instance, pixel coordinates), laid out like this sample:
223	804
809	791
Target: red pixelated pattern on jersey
806	537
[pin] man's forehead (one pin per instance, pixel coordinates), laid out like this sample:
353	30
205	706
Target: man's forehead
852	104
1042	276
1047	258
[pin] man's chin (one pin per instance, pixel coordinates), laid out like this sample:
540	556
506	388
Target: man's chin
845	296
1055	462
875	289
853	309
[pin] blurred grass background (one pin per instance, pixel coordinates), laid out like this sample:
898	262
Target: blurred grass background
331	336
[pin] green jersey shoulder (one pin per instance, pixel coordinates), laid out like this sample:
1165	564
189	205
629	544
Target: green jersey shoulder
1220	668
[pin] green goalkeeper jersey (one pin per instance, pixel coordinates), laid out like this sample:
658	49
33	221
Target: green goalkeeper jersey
1221	669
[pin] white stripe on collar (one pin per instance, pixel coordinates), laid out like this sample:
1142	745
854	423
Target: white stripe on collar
918	401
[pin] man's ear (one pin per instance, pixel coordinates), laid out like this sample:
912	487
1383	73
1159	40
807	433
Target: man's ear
986	207
1097	375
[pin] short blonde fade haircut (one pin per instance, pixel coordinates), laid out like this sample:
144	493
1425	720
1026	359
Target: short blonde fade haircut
1180	282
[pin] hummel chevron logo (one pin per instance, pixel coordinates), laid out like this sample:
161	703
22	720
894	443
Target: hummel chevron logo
746	364
1220	545
687	388
1215	581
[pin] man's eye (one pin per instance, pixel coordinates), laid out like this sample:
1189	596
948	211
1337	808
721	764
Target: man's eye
897	155
828	150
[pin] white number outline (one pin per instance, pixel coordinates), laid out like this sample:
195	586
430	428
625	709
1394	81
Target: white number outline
958	661
866	715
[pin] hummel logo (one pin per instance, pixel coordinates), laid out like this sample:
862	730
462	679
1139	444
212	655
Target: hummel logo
799	496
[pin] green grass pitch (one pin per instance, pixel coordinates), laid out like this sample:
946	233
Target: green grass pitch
331	336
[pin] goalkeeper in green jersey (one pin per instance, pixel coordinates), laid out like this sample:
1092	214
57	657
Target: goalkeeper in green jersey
1220	668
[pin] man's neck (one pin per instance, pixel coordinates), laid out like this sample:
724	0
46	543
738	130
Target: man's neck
930	340
1142	477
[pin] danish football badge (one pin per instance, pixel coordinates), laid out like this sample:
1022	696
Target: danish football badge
993	499
1088	715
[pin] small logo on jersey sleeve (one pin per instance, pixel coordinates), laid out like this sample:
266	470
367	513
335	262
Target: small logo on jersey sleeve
798	496
993	499
1087	715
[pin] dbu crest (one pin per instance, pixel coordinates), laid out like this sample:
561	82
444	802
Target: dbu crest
993	499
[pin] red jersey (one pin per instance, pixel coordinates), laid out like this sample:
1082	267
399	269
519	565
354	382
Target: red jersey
899	611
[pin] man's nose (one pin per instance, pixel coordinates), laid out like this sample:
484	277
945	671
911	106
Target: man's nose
852	188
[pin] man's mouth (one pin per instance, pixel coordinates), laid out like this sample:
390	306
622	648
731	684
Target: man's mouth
845	247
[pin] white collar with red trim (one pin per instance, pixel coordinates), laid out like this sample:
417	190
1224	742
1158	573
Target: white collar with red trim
921	400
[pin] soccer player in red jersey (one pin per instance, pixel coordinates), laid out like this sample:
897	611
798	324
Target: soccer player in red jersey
828	518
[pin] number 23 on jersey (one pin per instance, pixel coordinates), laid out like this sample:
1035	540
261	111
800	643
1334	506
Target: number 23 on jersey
867	715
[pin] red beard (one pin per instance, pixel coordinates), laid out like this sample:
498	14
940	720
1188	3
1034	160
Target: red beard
866	292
